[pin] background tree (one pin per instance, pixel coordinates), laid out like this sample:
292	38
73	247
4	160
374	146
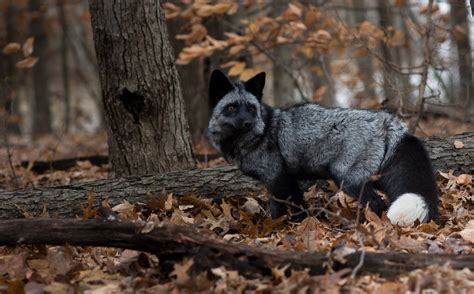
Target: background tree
41	113
460	30
144	109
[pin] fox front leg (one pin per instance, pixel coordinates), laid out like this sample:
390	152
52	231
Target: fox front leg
285	193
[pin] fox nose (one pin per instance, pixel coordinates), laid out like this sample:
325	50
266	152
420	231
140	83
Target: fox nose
247	124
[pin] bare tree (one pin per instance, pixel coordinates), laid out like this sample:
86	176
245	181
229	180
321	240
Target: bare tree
193	84
144	110
8	77
65	64
40	109
465	95
283	84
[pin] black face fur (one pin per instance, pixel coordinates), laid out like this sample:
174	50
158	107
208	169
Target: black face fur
235	108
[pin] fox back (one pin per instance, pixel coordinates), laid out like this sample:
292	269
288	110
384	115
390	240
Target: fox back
281	146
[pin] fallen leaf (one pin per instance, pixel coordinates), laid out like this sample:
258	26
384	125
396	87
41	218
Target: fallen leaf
464	179
251	206
148	227
468	232
458	144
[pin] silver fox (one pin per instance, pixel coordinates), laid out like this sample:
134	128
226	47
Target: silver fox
280	146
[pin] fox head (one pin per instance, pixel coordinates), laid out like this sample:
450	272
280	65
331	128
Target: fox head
235	109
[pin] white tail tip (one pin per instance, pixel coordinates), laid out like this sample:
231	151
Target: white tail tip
407	209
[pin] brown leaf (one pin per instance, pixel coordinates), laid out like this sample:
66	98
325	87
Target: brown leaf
11	48
468	232
247	74
237	69
234	50
89	211
464	179
12	286
429	228
295	10
319	93
28	46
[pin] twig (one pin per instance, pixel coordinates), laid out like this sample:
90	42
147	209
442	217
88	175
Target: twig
272	58
327	75
362	255
424	78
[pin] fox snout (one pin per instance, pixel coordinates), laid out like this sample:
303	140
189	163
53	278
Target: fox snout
240	125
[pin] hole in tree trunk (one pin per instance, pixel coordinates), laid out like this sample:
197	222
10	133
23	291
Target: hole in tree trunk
133	102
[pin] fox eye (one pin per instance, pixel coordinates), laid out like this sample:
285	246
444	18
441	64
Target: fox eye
231	108
251	109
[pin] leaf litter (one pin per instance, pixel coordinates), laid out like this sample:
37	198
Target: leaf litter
69	269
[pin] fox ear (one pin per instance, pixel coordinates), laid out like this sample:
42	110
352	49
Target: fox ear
219	86
255	85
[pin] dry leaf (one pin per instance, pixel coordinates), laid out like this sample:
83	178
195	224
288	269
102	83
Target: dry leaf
28	46
468	232
28	62
181	271
295	9
11	48
464	179
89	211
458	144
123	207
148	227
237	69
251	206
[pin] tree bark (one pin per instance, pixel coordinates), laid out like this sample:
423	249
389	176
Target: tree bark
8	84
65	64
40	109
172	244
225	181
146	124
364	63
458	15
283	84
193	84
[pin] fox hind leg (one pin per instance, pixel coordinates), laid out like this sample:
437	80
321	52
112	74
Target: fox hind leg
365	192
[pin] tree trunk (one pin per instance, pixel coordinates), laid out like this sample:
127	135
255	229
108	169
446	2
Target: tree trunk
364	63
193	84
465	95
173	244
40	110
222	182
391	98
64	64
283	84
8	100
146	124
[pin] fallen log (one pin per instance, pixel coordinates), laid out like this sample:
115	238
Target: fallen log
67	163
222	182
172	244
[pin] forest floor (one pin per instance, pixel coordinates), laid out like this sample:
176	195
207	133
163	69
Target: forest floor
68	269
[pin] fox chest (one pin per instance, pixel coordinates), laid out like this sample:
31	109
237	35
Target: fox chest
261	165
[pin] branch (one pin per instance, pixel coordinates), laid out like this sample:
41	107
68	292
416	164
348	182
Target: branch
172	244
